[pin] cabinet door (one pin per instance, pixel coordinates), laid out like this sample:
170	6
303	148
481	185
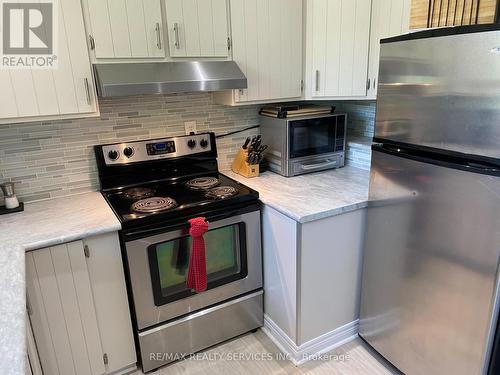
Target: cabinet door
67	89
339	36
389	18
62	311
126	28
197	28
267	45
111	304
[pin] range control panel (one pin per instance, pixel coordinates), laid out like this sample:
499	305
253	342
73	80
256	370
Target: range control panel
140	151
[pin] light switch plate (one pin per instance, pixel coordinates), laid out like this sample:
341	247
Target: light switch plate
190	127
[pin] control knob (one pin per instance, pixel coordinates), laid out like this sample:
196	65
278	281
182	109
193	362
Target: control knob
204	143
128	151
191	143
113	154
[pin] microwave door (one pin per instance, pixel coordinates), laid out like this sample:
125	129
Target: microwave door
311	137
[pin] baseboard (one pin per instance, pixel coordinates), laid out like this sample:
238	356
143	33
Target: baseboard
126	370
312	348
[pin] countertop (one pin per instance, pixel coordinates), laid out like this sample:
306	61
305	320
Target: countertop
303	198
311	196
41	224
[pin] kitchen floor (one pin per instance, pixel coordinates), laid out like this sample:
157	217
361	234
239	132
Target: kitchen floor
354	358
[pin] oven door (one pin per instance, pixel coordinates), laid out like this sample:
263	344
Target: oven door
158	266
315	136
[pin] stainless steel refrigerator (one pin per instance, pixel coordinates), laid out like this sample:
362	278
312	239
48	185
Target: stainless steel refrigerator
430	278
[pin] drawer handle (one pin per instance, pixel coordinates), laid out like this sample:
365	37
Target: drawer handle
325	163
158	35
87	91
176	35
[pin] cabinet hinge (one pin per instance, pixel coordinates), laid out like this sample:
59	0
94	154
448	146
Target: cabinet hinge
92	42
228	43
301	85
86	251
105	358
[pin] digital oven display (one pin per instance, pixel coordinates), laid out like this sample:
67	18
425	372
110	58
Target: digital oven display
160	148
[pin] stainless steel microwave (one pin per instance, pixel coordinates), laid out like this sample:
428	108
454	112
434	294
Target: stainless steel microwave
304	144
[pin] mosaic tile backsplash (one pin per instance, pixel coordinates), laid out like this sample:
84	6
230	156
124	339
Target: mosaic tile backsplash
56	158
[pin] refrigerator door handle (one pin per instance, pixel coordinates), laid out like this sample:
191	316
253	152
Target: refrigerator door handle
441	159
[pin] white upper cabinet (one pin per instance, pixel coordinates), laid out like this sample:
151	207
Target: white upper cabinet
197	28
337	37
30	93
389	18
267	46
126	28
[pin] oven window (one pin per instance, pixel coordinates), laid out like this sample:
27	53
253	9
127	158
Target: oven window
169	261
312	136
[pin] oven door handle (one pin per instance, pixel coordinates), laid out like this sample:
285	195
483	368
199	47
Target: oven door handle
212	218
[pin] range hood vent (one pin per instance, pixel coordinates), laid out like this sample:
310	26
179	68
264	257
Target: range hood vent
167	77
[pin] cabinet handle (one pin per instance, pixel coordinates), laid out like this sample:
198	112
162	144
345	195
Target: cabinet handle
176	35
92	42
158	35
374	83
368	84
87	90
317	80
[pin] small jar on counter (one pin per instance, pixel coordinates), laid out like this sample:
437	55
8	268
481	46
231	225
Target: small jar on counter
10	198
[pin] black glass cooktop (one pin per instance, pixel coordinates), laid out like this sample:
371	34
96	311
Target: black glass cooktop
166	200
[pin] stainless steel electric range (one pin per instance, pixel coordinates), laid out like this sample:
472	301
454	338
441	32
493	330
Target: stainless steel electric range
154	187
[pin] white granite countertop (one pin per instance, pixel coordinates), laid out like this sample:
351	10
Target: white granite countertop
41	224
311	196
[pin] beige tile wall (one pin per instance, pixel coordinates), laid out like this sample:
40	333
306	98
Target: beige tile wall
52	159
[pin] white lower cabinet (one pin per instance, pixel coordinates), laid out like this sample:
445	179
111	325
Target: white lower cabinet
312	280
78	308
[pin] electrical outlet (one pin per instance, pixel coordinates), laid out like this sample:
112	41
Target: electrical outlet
190	127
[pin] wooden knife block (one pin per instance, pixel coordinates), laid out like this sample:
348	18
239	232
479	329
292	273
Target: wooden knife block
241	166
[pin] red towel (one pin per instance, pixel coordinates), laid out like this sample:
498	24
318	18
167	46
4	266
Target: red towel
197	273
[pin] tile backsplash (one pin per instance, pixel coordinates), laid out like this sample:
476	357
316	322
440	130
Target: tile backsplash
55	158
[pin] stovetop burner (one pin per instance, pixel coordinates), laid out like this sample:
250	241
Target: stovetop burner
138	193
221	192
202	183
153	204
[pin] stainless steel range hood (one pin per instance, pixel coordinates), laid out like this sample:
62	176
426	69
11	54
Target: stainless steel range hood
167	77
